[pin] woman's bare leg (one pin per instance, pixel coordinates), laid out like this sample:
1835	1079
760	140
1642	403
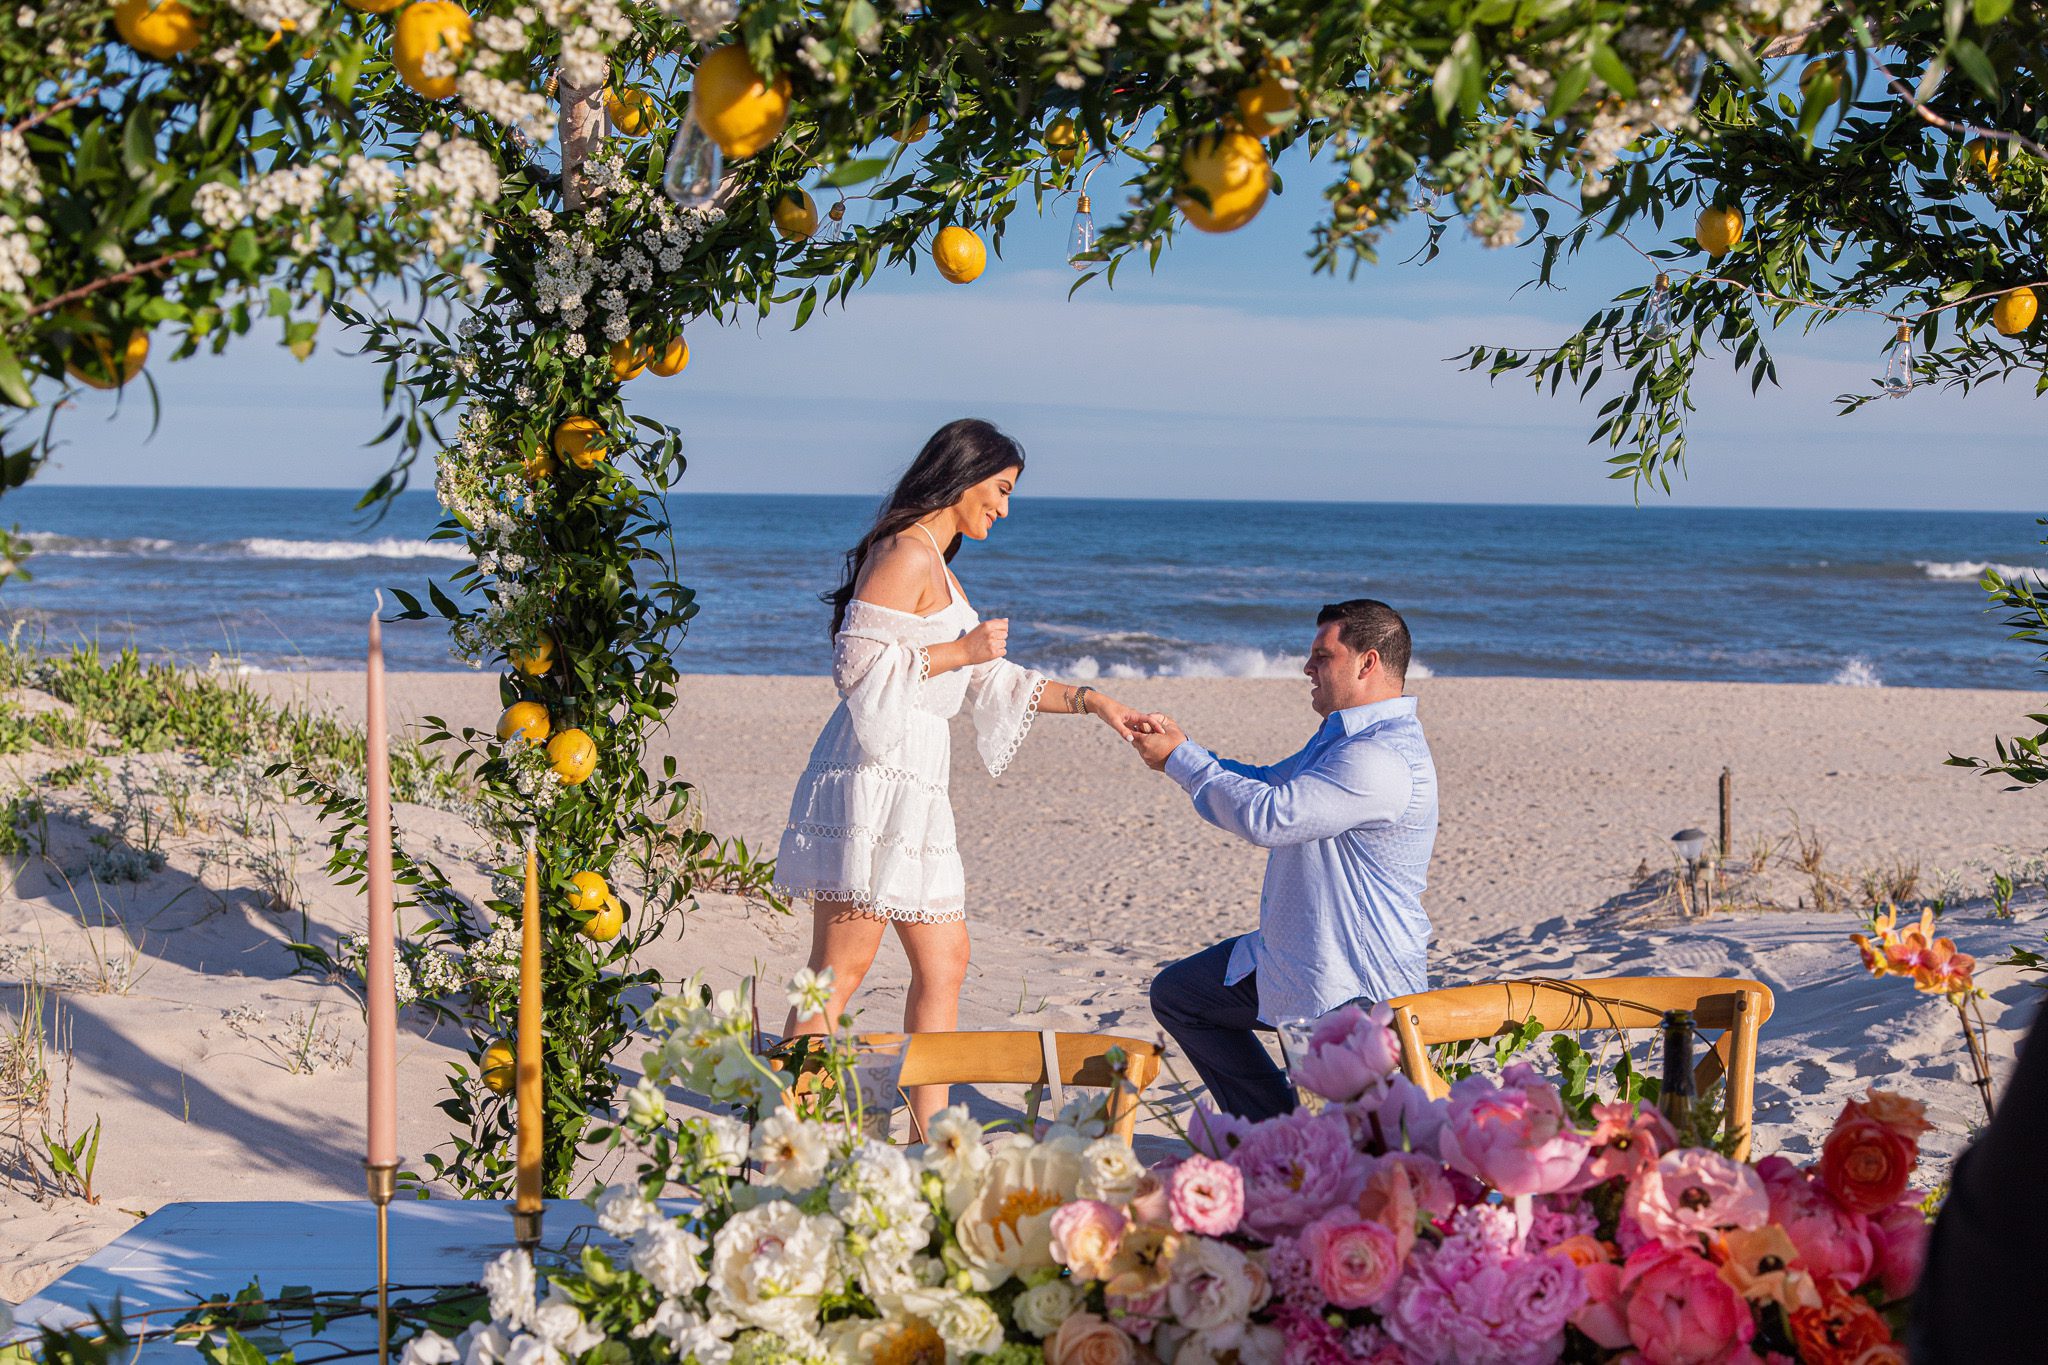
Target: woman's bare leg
843	937
938	969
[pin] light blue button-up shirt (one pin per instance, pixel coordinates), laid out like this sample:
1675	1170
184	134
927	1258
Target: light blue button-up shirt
1350	820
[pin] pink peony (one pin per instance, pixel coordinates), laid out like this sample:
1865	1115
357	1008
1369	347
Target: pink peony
1679	1311
1427	1181
1296	1168
1475	1297
1205	1196
1401	1118
1214	1133
1899	1237
1833	1242
1351	1053
1559	1220
1627	1136
1690	1195
1515	1136
1354	1263
1085	1236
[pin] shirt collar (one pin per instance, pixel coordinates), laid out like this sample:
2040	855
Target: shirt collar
1356	719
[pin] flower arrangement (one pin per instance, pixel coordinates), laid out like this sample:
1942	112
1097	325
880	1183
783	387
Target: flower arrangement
1935	967
1487	1226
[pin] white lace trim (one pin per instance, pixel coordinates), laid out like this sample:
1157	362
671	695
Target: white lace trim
924	665
880	909
1016	741
907	776
850	833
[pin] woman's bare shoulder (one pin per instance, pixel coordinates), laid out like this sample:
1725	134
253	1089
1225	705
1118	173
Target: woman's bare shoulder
896	575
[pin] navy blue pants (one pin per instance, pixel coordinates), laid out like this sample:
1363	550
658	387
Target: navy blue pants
1214	1023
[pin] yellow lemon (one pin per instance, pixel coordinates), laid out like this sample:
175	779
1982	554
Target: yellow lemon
604	926
796	215
374	6
573	756
162	29
1982	156
536	660
499	1067
2015	311
94	363
907	133
527	720
630	111
578	440
628	358
670	359
1266	107
1229	167
741	112
1718	230
959	255
537	464
1064	138
425	28
590	894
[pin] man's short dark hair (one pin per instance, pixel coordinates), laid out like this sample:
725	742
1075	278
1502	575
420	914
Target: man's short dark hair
1371	624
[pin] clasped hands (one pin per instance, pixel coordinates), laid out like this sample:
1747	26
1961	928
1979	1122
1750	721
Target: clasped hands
1153	735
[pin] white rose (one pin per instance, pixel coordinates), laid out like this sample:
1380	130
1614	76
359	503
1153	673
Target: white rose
428	1348
624	1212
771	1265
560	1324
671	1259
793	1152
483	1343
526	1350
691	1333
1110	1171
509	1283
966	1322
1041	1309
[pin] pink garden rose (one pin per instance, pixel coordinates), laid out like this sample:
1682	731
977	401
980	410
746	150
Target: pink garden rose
1602	1315
1351	1053
1833	1242
1296	1168
1689	1195
1085	1339
1354	1262
1899	1237
1679	1311
1205	1196
1515	1136
1086	1234
1139	1315
1627	1136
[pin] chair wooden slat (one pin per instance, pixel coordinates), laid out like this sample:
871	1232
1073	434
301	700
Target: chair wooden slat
1016	1057
1736	1006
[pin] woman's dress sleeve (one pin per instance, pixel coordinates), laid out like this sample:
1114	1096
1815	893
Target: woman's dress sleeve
1002	697
880	679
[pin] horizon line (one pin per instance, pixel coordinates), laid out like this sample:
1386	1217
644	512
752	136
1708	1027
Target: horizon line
1639	506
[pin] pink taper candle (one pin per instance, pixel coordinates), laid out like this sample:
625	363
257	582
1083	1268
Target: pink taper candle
380	978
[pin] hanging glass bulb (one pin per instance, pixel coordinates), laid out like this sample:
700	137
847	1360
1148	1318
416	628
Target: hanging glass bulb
834	226
1657	316
1081	236
691	176
1898	373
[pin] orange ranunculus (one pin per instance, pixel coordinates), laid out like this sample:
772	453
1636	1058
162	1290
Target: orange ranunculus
1907	1118
1844	1330
1864	1165
1582	1250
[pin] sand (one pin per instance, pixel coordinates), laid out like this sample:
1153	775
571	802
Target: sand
1086	872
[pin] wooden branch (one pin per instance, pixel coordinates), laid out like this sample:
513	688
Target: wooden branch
71	296
73	102
578	127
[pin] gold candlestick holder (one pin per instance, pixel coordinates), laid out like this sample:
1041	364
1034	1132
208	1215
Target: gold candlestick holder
383	1182
526	1229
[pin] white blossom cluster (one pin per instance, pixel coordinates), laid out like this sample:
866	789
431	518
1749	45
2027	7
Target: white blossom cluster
17	172
458	180
590	29
275	16
497	957
419	973
369	181
18	260
510	104
1082	28
299	189
705	19
476	483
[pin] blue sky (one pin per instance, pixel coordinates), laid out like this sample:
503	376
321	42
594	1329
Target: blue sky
1230	372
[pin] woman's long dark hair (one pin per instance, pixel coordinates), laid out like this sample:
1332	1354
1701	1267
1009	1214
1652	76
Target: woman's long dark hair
959	455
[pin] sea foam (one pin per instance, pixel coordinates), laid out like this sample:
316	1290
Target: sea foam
1973	569
1857	671
254	547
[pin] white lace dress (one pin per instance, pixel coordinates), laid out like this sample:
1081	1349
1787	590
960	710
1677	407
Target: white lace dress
871	822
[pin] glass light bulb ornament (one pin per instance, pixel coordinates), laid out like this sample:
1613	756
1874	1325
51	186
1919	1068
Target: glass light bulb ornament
833	226
1082	236
691	176
1898	372
1657	315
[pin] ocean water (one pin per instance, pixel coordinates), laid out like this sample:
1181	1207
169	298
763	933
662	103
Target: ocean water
283	578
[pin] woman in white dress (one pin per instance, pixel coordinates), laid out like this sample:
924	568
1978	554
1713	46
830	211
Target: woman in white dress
870	835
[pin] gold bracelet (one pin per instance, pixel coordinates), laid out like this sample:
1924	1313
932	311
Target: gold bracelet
1078	702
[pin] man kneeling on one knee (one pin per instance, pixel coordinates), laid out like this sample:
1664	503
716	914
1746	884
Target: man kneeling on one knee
1350	820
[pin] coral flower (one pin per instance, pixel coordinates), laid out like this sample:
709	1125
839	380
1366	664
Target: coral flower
1933	962
1866	1165
1844	1330
1760	1268
1690	1195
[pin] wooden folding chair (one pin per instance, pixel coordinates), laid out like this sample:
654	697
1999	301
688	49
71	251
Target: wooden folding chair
1736	1006
1048	1059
